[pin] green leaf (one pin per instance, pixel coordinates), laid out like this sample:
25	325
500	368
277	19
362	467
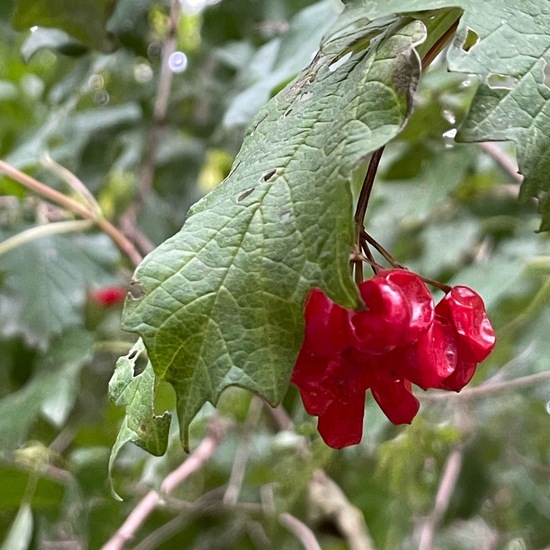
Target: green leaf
136	392
83	19
506	43
52	39
51	393
279	61
223	299
40	302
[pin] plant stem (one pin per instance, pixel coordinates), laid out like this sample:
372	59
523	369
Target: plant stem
383	252
438	46
368	182
151	500
40	231
364	195
74	206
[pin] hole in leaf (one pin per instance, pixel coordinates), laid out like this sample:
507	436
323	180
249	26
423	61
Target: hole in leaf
136	290
338	62
132	354
501	81
245	194
139	365
287	112
472	38
269	174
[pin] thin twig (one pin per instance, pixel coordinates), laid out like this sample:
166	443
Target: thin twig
74	206
488	389
451	471
47	192
151	500
381	250
364	195
503	160
302	532
281	417
328	502
72	181
435	50
40	231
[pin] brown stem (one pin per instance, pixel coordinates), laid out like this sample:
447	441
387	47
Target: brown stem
383	252
368	182
439	45
74	206
491	388
447	486
364	195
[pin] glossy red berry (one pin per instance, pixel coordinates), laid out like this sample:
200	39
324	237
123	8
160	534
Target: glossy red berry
395	398
465	309
341	425
327	325
399	308
432	359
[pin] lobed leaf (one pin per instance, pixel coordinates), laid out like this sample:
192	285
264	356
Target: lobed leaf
506	43
221	302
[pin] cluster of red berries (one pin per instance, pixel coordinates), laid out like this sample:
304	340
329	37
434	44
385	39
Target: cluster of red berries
400	338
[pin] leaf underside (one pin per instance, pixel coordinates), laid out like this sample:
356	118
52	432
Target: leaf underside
136	392
221	302
505	43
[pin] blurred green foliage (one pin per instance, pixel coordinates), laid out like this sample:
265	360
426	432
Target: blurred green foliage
447	210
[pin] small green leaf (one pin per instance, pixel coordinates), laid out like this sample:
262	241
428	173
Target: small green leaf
84	20
136	392
223	299
51	393
52	39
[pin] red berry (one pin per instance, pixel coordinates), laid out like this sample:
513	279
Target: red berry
463	373
420	301
432	359
341	424
399	309
398	339
464	308
108	296
327	325
310	376
395	398
381	327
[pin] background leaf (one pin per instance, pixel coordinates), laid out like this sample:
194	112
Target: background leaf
52	392
40	303
82	19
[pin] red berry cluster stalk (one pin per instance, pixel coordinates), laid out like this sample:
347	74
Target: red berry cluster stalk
400	338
